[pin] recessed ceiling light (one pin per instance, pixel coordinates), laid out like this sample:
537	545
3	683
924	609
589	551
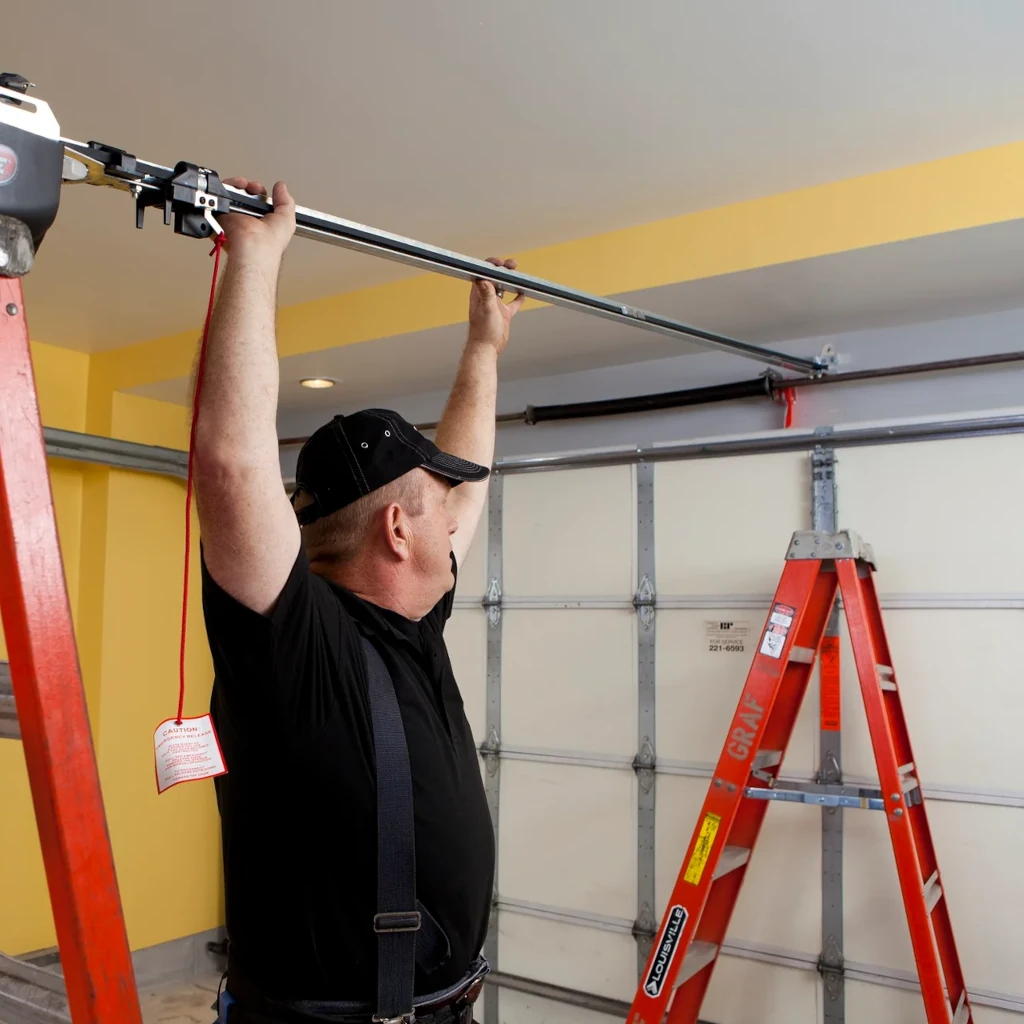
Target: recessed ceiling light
317	382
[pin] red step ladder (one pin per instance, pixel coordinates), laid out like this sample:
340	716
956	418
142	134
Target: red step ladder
745	780
95	958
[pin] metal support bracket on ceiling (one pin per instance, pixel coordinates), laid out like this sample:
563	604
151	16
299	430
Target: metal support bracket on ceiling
191	196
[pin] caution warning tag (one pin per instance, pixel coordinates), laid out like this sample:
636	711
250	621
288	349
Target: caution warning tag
186	751
701	852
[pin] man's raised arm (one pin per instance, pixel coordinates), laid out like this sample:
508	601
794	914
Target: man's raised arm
467	426
249	532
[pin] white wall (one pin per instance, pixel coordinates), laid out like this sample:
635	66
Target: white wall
930	395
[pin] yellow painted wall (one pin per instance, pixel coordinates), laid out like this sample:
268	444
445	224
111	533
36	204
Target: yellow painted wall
167	848
122	538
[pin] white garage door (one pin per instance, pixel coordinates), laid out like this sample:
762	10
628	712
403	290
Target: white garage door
566	655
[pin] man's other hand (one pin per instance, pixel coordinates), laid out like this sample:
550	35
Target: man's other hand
269	234
489	315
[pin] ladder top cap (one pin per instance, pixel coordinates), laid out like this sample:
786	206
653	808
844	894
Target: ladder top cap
817	545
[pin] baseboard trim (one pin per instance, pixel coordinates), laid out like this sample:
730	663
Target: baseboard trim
166	963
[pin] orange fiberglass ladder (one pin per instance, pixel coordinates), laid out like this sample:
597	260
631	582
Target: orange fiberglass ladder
745	780
95	960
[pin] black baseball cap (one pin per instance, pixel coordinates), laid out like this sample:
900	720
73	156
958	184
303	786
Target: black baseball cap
352	456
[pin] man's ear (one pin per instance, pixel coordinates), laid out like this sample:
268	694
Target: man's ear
399	532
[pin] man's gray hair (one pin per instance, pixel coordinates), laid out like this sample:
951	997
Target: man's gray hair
339	537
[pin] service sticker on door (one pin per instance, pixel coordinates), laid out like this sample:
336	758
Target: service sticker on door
779	623
726	636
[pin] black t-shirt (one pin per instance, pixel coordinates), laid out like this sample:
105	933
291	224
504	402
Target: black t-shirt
298	805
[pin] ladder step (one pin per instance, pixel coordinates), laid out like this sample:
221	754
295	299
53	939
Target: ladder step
698	956
932	891
885	677
963	1011
732	857
805	655
766	759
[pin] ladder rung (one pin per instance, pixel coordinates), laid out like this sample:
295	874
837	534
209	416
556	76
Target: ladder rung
805	655
963	1011
885	677
910	783
766	759
904	768
732	857
932	891
698	956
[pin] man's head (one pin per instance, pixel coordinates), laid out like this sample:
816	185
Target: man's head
371	497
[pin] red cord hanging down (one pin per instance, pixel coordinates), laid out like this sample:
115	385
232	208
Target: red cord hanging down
215	253
789	394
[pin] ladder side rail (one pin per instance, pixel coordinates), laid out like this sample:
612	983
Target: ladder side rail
809	628
891	745
915	810
720	808
50	700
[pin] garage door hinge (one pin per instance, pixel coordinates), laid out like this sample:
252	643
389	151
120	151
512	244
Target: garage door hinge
643	602
830	967
644	764
645	927
490	751
492	602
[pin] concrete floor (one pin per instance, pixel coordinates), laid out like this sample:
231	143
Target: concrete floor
183	1003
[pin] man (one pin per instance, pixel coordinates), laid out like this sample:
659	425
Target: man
381	520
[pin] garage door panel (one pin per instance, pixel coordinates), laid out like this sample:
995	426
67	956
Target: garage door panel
569	533
942	516
574	956
722	526
699	683
568	837
569	680
981	879
881	1004
748	992
961	695
875	924
466	639
522	1008
780	902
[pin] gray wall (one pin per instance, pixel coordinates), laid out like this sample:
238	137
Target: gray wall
932	395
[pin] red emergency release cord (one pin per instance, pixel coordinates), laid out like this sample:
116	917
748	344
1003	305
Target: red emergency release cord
790	396
215	253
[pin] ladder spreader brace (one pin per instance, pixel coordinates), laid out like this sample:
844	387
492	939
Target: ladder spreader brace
746	779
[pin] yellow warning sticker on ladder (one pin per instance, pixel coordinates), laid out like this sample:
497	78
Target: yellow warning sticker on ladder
701	852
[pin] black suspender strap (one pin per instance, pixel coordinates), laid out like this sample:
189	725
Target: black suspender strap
406	933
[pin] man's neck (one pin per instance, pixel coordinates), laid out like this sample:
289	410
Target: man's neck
378	586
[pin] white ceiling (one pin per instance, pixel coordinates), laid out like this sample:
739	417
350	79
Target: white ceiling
484	127
941	276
